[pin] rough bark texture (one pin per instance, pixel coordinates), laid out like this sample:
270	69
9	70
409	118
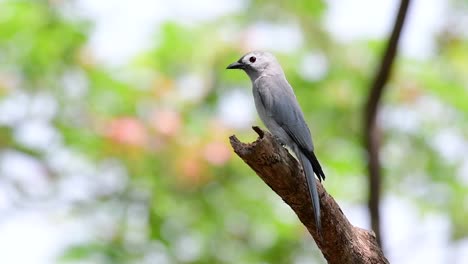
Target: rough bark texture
341	242
371	128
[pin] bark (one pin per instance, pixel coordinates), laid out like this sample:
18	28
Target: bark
371	128
341	242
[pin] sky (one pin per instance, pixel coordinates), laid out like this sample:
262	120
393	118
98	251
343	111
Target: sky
129	25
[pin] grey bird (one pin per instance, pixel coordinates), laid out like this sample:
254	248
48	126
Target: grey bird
279	110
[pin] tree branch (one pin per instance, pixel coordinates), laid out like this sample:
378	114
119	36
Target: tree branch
341	242
370	126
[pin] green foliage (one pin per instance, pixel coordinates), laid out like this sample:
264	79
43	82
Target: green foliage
36	39
187	199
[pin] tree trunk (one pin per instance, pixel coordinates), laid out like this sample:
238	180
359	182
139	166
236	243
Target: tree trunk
371	128
341	242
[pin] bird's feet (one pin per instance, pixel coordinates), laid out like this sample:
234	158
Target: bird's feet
279	141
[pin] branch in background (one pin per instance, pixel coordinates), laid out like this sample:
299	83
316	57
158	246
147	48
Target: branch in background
341	243
371	129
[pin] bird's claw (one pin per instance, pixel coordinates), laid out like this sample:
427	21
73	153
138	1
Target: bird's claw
279	141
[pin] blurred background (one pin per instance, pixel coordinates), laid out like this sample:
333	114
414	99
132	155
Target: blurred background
115	117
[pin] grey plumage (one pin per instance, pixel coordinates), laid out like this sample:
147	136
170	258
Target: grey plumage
279	110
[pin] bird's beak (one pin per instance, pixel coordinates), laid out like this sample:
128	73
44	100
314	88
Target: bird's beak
235	65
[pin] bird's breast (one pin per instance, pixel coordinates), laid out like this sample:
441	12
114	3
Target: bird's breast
267	118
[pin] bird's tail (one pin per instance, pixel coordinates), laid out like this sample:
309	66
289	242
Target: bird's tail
309	173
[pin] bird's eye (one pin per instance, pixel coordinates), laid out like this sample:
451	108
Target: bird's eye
252	59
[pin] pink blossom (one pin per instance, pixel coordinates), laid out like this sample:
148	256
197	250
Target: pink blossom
127	131
217	153
166	122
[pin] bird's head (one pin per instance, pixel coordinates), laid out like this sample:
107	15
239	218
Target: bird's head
256	63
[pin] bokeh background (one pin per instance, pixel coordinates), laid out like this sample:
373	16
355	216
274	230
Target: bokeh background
115	117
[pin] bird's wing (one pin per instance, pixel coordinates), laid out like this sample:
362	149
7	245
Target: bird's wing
281	104
285	110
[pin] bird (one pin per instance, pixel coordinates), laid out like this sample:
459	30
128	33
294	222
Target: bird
280	112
